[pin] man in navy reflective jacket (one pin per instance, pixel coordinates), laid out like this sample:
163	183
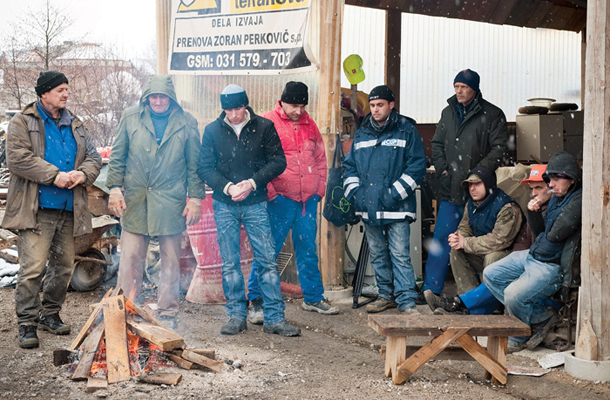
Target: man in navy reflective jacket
382	170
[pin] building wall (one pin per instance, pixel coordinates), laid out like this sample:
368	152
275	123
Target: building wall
515	64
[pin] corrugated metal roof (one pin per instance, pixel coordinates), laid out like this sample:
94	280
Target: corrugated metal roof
515	64
570	15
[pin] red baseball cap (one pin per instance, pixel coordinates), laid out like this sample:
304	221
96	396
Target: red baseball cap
535	174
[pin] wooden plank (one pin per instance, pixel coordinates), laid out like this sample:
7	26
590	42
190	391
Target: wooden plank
158	335
332	238
182	363
428	324
90	346
393	38
92	318
63	356
595	273
423	355
396	353
214	365
209	353
95	384
117	355
142	313
477	352
9	257
586	346
162	379
497	347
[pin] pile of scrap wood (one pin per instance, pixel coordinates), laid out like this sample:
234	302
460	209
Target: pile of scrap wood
106	339
9	258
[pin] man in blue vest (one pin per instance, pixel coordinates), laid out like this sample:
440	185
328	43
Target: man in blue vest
51	159
488	228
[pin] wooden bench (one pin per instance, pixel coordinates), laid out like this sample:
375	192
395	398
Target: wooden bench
446	329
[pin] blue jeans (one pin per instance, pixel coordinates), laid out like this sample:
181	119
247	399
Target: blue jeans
390	258
522	283
437	264
480	301
285	215
256	223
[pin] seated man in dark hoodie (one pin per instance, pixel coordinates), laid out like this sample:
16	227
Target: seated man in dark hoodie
480	301
488	228
524	279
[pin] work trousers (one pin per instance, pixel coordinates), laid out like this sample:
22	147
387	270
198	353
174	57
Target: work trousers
133	261
53	241
285	215
437	264
467	268
390	257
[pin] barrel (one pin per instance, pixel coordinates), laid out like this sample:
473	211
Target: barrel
206	285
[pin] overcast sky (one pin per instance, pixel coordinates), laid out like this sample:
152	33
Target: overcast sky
126	25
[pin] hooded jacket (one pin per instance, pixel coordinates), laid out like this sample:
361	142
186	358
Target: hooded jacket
306	167
459	147
226	158
493	224
383	168
156	178
563	216
25	150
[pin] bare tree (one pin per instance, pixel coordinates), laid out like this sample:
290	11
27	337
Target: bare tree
48	24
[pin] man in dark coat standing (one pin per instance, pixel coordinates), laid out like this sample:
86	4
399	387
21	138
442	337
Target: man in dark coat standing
240	154
471	132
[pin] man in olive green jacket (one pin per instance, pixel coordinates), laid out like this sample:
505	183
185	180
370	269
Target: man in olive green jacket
51	159
154	163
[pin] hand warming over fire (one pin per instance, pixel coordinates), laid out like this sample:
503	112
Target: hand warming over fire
116	202
192	211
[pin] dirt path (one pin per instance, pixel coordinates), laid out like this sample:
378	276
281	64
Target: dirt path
336	358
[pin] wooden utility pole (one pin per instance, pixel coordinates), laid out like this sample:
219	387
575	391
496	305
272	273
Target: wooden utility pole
595	274
332	239
393	45
164	23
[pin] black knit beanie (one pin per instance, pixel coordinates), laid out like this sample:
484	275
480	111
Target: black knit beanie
468	77
48	80
381	92
481	174
295	93
232	97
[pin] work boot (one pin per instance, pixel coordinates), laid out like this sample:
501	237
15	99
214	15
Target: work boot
444	305
421	299
282	328
410	311
27	337
322	307
539	331
233	327
514	346
255	311
380	305
52	323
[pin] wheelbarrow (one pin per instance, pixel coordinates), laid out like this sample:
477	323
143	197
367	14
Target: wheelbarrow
90	263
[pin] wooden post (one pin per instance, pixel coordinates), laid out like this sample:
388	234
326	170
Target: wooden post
164	23
595	273
332	239
392	53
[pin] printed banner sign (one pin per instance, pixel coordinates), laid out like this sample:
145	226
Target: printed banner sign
239	37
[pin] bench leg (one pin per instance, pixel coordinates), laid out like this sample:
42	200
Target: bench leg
488	362
423	355
497	347
395	353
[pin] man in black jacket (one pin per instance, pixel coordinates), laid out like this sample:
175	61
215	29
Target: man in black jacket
522	280
240	153
471	133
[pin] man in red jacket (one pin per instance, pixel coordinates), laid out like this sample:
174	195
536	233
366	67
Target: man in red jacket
294	196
